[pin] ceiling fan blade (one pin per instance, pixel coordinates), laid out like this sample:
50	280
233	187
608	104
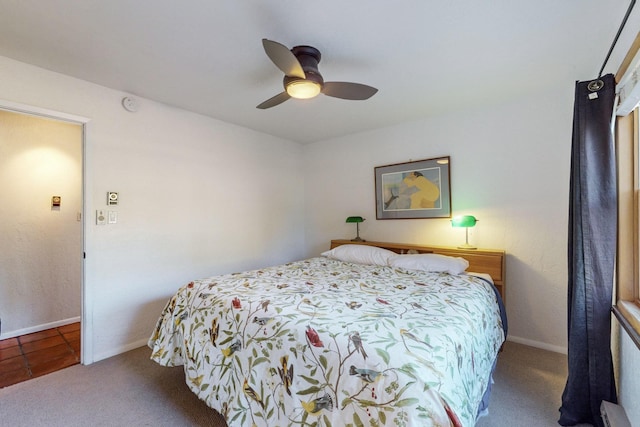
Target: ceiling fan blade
276	100
283	58
347	90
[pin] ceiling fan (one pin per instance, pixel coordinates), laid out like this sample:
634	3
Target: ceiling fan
302	80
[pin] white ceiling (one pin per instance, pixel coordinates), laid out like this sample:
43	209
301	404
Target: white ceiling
425	57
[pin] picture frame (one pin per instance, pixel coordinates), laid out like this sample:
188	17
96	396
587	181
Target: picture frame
414	190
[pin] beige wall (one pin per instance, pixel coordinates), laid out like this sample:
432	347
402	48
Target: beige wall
41	250
509	168
198	197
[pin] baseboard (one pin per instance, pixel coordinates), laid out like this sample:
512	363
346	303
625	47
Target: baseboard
537	344
119	350
39	328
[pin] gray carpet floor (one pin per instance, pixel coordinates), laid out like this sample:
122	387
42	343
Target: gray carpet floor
528	388
131	390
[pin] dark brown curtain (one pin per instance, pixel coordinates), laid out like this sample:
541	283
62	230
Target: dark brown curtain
591	254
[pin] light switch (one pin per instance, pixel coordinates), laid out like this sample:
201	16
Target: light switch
101	219
113	217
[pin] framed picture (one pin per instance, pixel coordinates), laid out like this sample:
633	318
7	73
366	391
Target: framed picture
419	189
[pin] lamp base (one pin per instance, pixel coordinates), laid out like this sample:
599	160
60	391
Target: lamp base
467	246
358	239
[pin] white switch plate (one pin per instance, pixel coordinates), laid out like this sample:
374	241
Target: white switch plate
101	218
113	217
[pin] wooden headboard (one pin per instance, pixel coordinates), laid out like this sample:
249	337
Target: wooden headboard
489	261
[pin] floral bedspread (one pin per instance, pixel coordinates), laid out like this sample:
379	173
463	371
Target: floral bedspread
326	343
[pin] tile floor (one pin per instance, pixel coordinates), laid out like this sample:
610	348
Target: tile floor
39	353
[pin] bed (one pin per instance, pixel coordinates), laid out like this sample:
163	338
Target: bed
368	334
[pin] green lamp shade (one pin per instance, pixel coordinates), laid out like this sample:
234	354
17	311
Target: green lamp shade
355	219
464	221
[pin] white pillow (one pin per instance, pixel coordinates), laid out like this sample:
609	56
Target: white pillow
360	254
430	262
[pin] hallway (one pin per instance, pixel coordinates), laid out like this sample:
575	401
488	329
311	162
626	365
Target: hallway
40	353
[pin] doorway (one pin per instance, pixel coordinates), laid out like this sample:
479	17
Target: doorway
42	220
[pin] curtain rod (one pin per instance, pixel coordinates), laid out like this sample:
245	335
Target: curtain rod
615	40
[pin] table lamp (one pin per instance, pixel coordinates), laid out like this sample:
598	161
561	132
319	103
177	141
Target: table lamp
357	220
465	221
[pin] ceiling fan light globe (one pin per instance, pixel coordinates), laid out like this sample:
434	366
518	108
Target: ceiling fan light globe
303	89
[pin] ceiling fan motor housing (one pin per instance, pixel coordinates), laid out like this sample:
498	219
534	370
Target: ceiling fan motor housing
308	57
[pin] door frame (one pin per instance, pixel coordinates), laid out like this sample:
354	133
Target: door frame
86	326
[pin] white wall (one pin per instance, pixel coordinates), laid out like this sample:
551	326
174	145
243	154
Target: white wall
197	197
509	167
41	249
